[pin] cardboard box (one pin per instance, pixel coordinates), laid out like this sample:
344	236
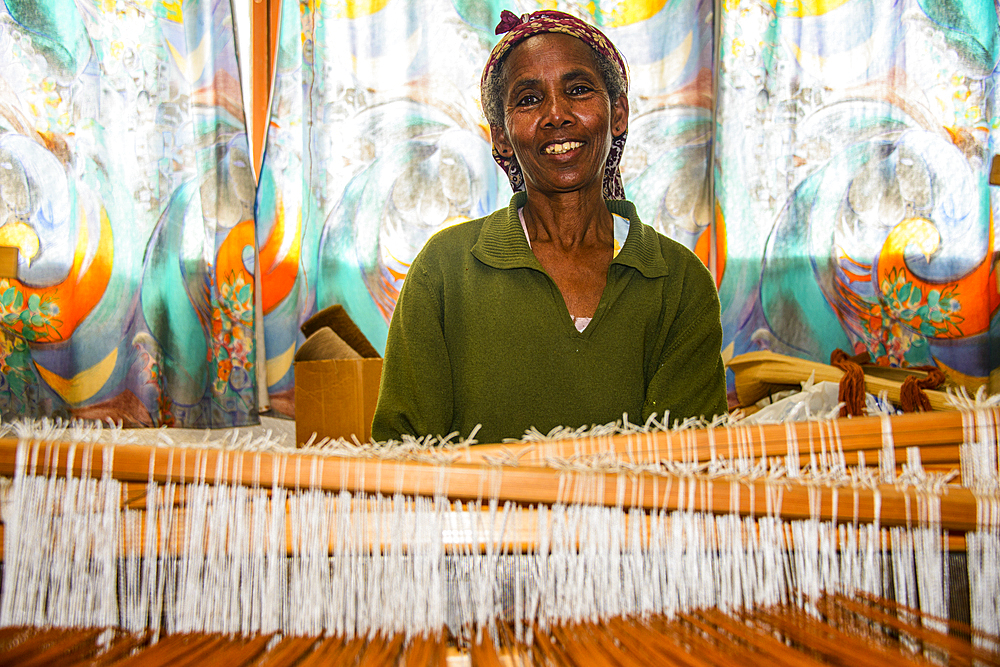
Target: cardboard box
336	398
337	376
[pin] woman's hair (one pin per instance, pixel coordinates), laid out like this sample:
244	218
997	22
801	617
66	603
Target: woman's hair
496	83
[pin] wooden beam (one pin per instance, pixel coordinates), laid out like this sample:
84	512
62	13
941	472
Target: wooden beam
524	485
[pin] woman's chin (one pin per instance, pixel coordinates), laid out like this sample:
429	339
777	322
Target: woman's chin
566	183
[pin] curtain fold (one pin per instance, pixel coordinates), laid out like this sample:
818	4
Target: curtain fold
126	185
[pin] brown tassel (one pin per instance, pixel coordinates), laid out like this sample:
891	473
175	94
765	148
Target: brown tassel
911	395
852	385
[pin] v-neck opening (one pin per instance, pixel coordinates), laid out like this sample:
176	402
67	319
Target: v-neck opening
566	320
621	227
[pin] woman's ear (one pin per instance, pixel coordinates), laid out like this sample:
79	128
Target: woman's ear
619	116
499	136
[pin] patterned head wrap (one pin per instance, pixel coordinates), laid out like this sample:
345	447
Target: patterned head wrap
517	30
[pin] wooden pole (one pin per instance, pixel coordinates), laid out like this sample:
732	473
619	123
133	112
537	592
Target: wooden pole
463	481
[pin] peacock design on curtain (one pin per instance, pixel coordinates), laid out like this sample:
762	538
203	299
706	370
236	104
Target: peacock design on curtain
125	184
853	148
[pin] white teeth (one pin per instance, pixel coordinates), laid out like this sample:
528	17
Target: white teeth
557	149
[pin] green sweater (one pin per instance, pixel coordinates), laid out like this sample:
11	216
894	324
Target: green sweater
481	335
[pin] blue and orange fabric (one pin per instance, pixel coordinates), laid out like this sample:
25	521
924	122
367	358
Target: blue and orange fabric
833	177
125	184
852	154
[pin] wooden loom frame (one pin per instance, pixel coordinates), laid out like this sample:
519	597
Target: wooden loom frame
472	476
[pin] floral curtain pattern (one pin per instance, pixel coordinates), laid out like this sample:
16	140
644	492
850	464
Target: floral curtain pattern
853	150
847	143
125	183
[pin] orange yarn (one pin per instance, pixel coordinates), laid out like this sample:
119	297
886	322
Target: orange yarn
852	385
911	395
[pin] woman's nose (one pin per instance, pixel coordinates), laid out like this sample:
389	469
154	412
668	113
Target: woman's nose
557	111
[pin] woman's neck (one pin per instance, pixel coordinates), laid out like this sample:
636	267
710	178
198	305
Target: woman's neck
568	220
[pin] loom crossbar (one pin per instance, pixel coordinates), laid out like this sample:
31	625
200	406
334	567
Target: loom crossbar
921	429
463	481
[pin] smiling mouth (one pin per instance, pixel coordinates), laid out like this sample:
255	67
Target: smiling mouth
559	149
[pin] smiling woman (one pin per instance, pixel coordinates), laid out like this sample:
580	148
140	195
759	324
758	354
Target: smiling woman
562	309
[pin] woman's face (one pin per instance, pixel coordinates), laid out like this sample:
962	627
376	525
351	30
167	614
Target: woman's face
558	120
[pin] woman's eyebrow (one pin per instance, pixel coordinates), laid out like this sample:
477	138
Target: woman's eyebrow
568	76
577	74
525	83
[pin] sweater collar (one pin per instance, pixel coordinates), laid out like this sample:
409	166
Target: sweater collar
502	243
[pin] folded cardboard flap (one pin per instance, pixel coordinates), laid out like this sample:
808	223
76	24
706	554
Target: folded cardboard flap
335	398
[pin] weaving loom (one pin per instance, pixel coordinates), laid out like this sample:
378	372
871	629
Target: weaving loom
794	543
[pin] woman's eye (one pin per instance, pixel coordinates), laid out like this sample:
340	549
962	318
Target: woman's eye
580	89
527	100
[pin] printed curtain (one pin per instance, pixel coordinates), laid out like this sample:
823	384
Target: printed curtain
853	149
847	143
125	183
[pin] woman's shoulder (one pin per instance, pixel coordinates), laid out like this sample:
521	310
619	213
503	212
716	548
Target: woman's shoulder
455	238
451	246
655	254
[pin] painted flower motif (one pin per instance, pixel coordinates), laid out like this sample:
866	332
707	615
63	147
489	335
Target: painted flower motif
20	381
237	299
232	351
225	369
33	317
902	321
165	410
935	314
150	358
6	349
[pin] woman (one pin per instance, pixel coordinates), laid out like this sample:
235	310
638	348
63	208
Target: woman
562	309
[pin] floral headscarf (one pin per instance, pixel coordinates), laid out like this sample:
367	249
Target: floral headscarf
517	30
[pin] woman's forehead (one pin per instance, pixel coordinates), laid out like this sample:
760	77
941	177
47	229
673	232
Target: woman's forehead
544	51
